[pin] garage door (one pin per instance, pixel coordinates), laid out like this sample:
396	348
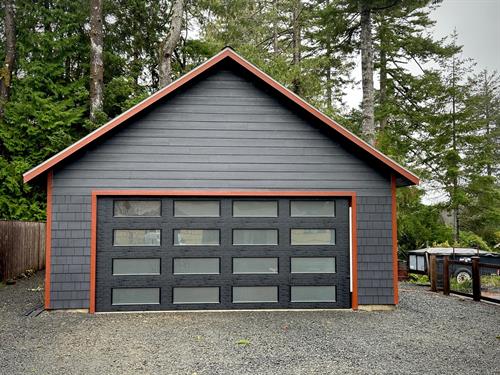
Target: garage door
165	253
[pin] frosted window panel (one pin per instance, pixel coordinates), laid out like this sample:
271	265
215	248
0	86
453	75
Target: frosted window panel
137	208
137	237
255	265
255	294
313	265
255	208
255	237
196	237
312	237
196	209
196	266
136	296
136	266
190	295
313	293
312	208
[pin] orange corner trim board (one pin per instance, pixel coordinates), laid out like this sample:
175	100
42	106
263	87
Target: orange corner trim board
48	240
226	53
394	240
222	193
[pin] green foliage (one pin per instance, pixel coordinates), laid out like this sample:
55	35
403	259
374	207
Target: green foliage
19	201
419	225
464	287
469	239
416	278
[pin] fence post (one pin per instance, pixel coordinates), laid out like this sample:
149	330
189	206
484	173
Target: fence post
476	279
446	276
433	273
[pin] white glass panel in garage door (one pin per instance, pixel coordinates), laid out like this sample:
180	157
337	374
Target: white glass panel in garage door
255	237
313	265
196	209
312	208
255	294
255	208
313	236
255	265
313	293
189	295
196	237
196	266
127	208
136	266
135	296
136	237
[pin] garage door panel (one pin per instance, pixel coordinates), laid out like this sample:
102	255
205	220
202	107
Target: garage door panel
224	251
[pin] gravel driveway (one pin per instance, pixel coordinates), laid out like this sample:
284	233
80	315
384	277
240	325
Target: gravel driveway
428	333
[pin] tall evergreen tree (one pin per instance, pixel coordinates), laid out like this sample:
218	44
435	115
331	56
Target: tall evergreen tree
9	25
170	42
96	60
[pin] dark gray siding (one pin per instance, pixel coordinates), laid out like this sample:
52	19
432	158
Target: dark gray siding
224	132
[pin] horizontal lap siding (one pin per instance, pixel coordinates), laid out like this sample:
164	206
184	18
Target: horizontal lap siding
222	133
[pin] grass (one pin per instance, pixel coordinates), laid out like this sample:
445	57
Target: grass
487	281
416	278
490	281
243	342
464	287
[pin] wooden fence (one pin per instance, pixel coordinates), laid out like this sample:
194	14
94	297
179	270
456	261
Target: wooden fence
22	247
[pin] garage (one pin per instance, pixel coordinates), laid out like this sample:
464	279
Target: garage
223	190
166	253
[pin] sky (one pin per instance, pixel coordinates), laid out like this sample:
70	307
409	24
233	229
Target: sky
478	26
477	23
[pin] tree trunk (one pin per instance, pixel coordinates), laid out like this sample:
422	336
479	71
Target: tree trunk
383	76
296	43
456	212
486	95
368	124
96	61
167	47
275	28
10	54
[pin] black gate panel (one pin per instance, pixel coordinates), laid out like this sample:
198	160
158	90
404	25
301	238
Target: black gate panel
157	290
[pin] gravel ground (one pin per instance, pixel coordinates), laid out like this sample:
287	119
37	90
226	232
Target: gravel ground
428	333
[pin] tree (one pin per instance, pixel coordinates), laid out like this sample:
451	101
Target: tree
403	39
169	44
366	47
419	225
96	60
481	214
10	55
296	41
48	100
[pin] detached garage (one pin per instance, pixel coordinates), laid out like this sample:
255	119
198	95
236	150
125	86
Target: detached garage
223	190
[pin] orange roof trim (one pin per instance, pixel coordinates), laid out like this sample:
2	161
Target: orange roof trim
230	54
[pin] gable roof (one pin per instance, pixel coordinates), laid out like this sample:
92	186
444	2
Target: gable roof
226	53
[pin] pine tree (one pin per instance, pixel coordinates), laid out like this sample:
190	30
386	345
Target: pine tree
96	60
170	42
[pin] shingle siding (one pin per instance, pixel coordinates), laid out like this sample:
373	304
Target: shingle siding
223	132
